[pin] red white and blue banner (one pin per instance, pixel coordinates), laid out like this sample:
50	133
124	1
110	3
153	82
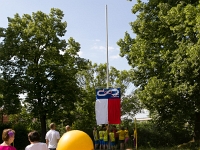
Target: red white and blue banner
107	106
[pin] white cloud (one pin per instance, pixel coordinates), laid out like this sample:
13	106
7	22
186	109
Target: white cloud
110	48
80	53
114	56
97	40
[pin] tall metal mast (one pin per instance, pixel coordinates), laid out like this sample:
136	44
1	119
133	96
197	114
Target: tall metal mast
107	47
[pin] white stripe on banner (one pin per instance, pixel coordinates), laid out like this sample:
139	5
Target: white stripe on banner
101	109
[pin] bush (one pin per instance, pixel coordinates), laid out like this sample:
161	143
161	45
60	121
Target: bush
21	137
150	135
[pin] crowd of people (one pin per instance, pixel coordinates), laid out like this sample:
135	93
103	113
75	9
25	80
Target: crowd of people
52	137
105	138
111	138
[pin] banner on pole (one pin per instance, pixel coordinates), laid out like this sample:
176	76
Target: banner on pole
107	106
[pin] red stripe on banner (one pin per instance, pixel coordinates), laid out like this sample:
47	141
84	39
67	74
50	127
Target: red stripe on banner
114	111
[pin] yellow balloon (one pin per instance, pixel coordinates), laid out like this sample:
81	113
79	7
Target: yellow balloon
75	140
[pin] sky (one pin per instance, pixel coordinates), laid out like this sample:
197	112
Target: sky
86	23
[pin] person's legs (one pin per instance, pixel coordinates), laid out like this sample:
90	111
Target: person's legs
96	144
106	144
112	145
101	147
126	142
121	144
116	142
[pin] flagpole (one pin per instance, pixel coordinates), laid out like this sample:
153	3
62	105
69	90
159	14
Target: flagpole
107	47
135	133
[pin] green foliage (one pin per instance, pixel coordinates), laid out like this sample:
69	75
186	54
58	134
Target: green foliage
35	60
164	56
188	146
152	135
130	105
26	119
21	137
2	32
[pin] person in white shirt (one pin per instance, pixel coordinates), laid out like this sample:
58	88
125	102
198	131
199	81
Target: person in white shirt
34	139
52	137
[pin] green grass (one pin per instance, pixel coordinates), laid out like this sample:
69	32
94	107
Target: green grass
185	146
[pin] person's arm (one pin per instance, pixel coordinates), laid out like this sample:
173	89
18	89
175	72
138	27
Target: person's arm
107	129
58	138
94	134
47	142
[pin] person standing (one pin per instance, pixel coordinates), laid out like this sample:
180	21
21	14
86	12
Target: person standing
112	139
116	136
34	139
8	137
52	137
101	138
121	133
105	137
96	139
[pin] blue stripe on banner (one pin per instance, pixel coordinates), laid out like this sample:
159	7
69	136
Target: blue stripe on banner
108	93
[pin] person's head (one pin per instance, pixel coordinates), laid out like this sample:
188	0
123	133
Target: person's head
95	128
122	128
52	126
102	128
8	135
67	128
111	130
114	127
34	136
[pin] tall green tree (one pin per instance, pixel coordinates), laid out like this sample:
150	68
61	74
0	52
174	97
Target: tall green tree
37	62
165	58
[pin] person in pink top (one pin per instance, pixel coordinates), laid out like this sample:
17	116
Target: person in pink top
8	137
34	139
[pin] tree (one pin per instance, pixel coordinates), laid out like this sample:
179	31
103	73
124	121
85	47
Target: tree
164	56
41	65
95	77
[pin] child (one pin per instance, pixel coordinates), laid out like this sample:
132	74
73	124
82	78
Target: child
121	137
96	139
105	137
101	138
112	139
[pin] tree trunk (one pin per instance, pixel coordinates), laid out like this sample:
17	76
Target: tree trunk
197	127
43	125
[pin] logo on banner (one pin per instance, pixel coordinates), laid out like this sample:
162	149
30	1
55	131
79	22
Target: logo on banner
112	93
